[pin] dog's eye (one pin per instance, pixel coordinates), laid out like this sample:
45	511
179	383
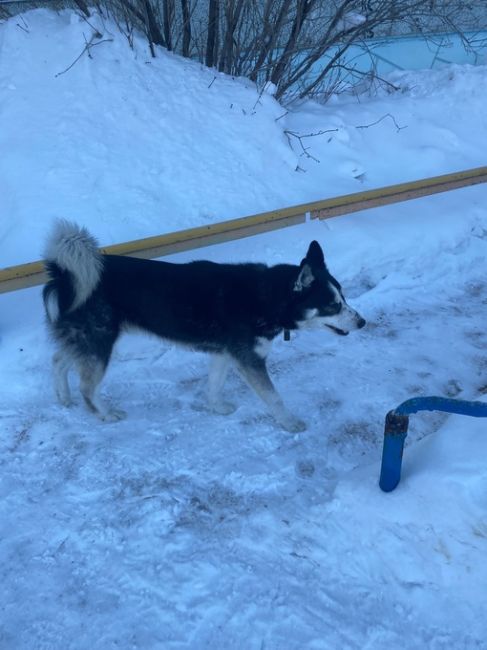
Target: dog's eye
336	307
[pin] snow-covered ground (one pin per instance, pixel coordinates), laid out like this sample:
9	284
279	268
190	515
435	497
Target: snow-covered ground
177	528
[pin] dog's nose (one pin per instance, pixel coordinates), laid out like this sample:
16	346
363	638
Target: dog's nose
361	323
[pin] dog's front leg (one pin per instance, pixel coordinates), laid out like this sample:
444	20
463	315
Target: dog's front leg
254	371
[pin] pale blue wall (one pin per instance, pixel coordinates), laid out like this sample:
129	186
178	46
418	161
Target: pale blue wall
417	52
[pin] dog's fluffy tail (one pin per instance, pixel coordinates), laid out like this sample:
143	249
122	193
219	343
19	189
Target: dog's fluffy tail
74	265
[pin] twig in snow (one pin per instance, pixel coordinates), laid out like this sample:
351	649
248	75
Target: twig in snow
300	139
96	32
367	126
261	92
26	28
87	48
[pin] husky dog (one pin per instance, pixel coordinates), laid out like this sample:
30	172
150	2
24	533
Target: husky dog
232	311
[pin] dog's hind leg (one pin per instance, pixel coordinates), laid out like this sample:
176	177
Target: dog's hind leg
91	372
254	371
61	365
219	367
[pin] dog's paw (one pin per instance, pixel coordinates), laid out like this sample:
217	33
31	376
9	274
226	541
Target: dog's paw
67	403
292	424
113	415
223	408
64	399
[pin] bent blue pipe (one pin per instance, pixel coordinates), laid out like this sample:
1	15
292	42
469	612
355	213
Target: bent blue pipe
396	429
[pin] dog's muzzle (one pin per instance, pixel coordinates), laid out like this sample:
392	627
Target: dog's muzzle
361	322
337	330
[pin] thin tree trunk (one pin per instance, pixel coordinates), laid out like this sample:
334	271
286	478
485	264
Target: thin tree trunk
270	34
302	10
232	15
168	19
212	40
82	7
186	28
154	32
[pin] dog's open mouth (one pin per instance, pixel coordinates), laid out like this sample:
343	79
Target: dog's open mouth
337	330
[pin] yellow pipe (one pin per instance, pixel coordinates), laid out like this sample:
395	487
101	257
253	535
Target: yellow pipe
396	193
32	274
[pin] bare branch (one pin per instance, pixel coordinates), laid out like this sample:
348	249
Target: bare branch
89	45
301	46
300	137
387	115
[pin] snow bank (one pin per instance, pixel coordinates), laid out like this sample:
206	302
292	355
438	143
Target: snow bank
124	141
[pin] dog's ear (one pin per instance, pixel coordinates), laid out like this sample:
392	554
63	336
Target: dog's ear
315	257
305	278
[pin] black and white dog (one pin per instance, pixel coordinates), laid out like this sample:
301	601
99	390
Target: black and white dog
232	311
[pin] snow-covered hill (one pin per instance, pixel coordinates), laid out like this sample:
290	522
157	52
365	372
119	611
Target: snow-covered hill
177	528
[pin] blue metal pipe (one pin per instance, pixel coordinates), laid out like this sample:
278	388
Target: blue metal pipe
447	404
396	429
395	432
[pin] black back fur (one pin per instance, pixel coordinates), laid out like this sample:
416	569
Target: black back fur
209	306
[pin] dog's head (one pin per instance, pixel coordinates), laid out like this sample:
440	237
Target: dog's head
320	298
